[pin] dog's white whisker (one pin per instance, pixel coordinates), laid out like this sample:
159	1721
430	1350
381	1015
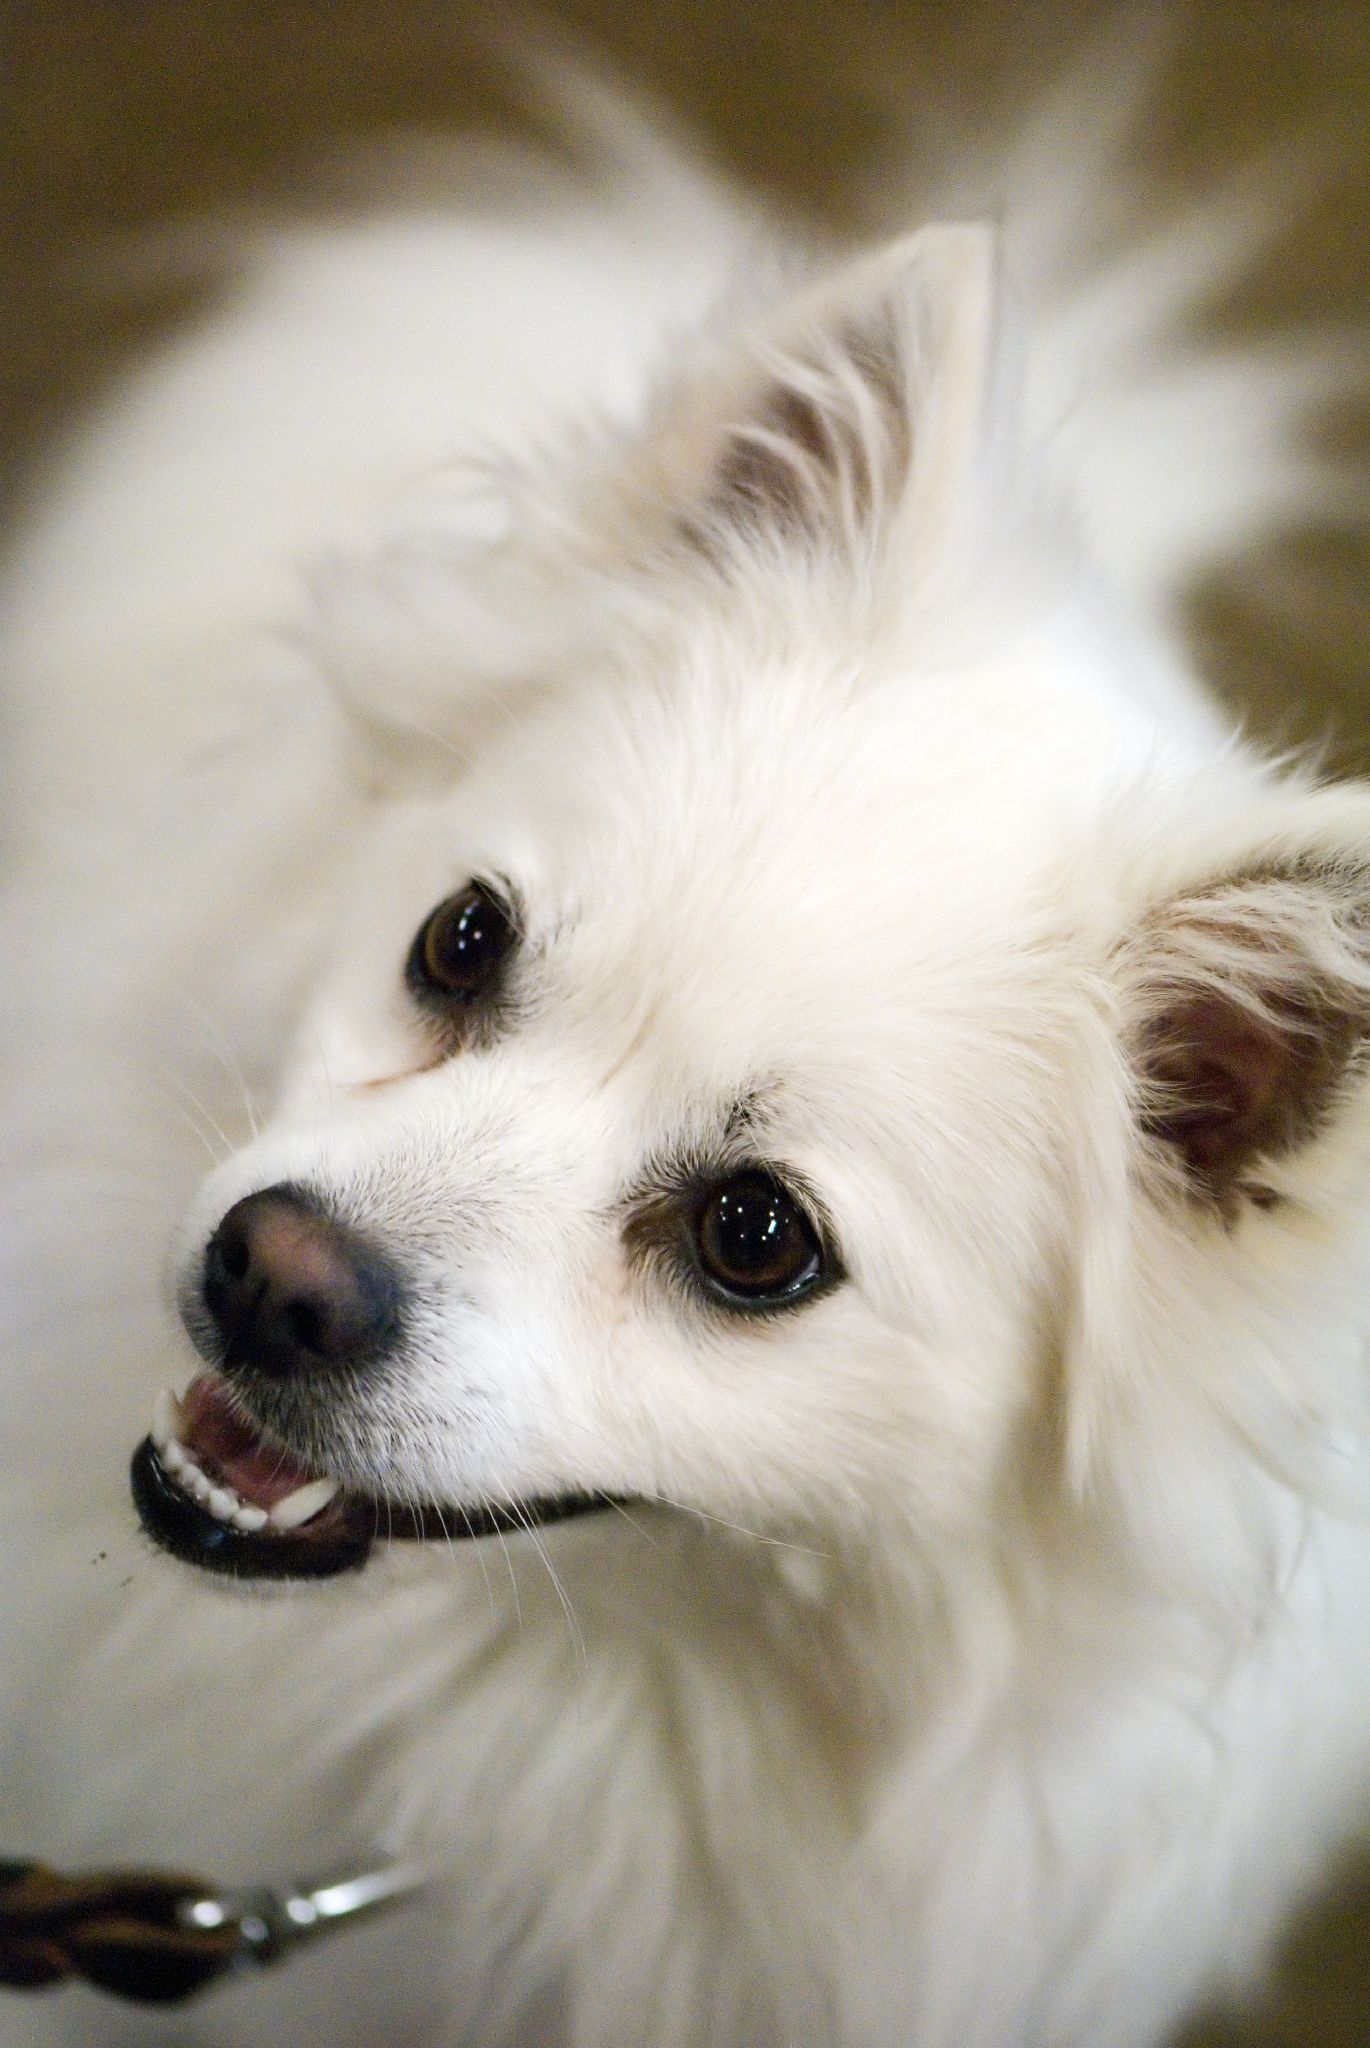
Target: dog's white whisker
479	1549
487	1506
201	1110
735	1528
622	1510
197	1129
520	1514
233	1068
224	1054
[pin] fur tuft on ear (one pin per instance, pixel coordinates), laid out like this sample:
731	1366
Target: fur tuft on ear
828	443
851	410
1247	1006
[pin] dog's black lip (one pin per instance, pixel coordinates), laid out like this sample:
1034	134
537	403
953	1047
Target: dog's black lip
336	1542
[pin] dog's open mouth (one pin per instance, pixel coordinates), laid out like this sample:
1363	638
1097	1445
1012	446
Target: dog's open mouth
211	1489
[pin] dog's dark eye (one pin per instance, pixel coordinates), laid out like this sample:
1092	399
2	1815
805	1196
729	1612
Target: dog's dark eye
461	947
753	1242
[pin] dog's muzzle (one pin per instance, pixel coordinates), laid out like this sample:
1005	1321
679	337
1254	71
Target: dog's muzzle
292	1306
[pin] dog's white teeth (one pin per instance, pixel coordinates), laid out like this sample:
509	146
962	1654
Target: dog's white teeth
166	1419
221	1501
303	1503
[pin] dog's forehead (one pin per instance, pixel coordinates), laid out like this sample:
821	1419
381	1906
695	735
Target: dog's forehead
770	875
757	788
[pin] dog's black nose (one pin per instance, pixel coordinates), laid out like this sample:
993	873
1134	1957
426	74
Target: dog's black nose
293	1291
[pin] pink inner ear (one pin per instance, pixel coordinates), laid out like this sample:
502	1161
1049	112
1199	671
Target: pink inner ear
1219	1074
1252	1007
1230	1087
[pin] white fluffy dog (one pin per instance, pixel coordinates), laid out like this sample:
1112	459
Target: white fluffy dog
812	1120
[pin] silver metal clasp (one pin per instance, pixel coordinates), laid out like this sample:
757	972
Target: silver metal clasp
273	1922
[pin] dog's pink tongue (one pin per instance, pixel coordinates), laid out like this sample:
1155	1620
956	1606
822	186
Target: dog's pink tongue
226	1447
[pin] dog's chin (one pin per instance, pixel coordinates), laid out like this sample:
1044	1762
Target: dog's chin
211	1489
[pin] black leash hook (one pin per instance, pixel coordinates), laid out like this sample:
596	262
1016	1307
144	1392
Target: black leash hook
159	1937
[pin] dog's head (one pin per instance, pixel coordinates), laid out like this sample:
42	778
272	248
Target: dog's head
830	1046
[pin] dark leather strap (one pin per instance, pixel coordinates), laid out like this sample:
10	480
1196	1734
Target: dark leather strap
125	1931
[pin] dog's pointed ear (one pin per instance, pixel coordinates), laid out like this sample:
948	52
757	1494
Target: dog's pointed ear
852	410
1245	999
1237	984
846	422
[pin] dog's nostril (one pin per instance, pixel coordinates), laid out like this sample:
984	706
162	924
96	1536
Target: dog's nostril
306	1326
235	1254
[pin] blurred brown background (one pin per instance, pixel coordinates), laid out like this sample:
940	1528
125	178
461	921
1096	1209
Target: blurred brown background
118	114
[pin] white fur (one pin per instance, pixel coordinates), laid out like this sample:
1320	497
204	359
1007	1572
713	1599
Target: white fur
990	1670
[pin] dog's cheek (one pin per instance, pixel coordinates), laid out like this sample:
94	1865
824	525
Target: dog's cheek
818	1416
672	1402
487	1402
